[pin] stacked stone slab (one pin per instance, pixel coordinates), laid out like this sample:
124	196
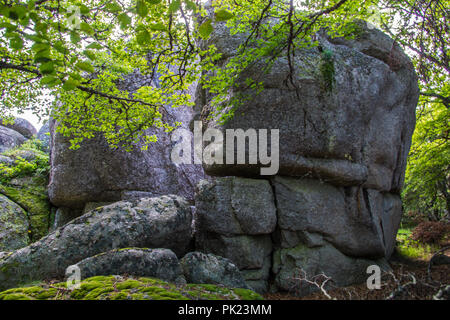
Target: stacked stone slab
343	150
235	218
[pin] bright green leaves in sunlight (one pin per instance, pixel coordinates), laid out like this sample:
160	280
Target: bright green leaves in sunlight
223	15
141	8
206	29
174	6
124	20
143	37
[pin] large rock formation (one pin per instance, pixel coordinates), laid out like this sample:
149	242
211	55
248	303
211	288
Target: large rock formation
10	138
22	126
163	222
356	131
345	125
234	219
156	263
97	173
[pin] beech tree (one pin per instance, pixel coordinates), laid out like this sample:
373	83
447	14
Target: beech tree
78	51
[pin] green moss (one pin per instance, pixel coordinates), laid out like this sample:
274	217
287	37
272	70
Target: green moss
128	284
246	294
327	70
25	183
118	288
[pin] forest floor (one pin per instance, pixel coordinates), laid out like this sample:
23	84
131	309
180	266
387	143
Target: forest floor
409	279
401	286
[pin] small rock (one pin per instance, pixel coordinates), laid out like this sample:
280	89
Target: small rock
207	268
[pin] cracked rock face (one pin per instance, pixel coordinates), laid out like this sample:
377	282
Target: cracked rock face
234	219
354	131
97	173
343	149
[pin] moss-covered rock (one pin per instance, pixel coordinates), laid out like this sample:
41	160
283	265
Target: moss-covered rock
13	225
121	288
24	181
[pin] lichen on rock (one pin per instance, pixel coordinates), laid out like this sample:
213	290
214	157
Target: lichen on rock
124	288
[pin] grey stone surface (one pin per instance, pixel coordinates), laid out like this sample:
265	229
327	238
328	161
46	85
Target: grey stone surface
44	135
65	215
207	268
157	263
247	252
235	206
10	139
290	265
147	223
22	126
356	132
97	173
13	225
343	216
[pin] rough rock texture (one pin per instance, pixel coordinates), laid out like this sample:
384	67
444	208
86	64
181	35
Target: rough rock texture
44	136
10	139
289	265
359	222
354	130
97	173
148	223
13	225
236	206
157	263
22	126
345	124
207	268
234	218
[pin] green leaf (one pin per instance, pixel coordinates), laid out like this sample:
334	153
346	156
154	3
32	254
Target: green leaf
174	6
41	27
84	9
113	7
124	20
206	29
141	8
154	1
158	27
42	56
59	46
94	45
86	28
8	26
143	37
90	54
190	5
17	12
40	46
16	43
47	67
85	66
50	81
70	85
223	15
74	37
